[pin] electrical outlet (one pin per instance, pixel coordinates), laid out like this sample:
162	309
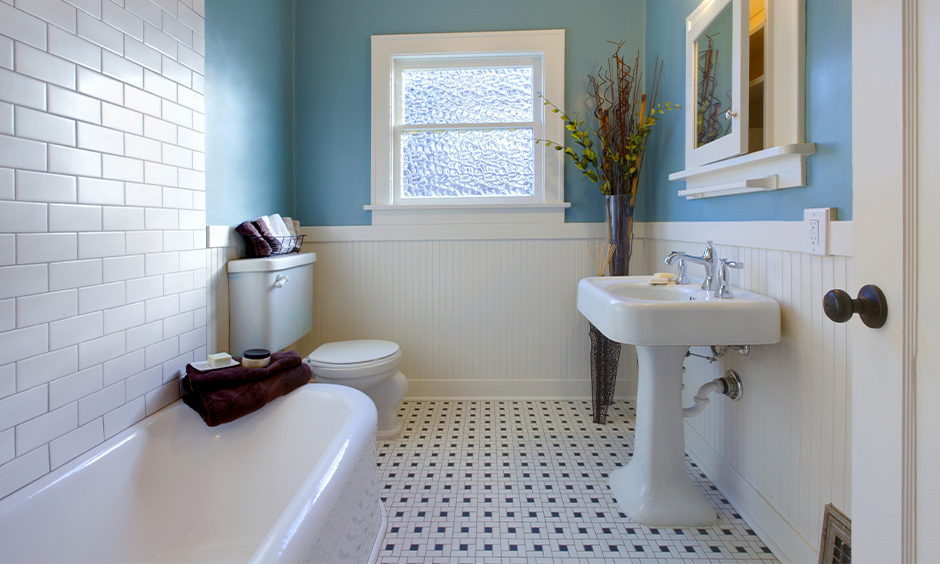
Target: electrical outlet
816	230
813	233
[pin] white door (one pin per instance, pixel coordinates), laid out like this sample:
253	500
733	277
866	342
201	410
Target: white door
896	215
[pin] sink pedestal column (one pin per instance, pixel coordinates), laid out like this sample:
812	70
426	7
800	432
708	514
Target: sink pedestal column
654	489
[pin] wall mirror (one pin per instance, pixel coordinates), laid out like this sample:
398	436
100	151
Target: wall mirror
716	128
744	123
713	101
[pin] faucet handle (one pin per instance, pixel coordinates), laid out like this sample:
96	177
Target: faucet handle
723	291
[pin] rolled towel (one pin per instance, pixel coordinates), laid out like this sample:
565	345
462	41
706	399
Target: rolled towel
280	231
296	226
260	246
262	224
289	223
228	404
211	380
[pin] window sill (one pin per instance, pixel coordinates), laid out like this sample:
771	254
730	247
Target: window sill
762	171
429	214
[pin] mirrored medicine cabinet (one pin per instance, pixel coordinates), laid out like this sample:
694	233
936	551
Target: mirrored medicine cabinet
744	98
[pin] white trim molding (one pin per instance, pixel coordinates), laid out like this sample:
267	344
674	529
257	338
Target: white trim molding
772	235
500	389
468	213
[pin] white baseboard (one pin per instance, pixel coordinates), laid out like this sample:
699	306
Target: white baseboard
786	542
509	389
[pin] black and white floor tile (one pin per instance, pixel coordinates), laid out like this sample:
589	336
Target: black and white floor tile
526	482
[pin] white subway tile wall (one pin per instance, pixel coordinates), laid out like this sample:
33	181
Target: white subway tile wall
102	220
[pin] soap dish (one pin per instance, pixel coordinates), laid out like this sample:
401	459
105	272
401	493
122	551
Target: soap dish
203	365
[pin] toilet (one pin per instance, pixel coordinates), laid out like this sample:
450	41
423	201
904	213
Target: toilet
370	366
271	306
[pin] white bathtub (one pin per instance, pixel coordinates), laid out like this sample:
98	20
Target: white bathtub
293	482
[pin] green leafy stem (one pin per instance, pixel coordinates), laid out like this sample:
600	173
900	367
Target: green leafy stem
614	167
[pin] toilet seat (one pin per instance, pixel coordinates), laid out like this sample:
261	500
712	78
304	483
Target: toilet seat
354	360
352	354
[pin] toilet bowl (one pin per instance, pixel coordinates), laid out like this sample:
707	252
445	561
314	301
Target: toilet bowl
370	366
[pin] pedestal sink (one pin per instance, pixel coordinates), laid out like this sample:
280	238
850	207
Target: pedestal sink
663	321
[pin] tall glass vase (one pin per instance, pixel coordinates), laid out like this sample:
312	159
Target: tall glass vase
605	354
620	233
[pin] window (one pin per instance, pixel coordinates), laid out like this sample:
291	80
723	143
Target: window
455	119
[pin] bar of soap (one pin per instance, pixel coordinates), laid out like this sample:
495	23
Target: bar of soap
666	275
219	359
656	281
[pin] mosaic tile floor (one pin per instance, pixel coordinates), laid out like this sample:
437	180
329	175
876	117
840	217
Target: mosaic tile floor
526	482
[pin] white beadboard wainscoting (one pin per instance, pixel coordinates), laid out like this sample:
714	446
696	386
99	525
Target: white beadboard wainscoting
491	312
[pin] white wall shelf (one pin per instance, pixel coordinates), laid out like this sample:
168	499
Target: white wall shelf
770	169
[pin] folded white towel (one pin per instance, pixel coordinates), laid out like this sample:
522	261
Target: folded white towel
280	231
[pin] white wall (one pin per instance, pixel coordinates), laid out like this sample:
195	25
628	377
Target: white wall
102	215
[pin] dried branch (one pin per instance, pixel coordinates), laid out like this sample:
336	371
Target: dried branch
625	117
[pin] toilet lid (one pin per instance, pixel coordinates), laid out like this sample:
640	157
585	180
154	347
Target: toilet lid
353	352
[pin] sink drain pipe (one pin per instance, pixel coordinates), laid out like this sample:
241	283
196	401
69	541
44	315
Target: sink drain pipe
729	385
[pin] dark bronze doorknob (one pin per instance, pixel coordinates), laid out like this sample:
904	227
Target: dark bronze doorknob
871	305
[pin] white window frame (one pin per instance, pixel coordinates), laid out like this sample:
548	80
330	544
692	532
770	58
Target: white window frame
392	53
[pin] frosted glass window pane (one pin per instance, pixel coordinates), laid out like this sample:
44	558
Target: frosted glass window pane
467	163
472	95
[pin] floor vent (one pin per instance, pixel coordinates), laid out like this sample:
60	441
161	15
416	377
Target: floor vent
836	544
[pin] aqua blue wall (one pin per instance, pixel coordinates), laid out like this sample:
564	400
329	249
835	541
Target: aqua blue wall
828	124
332	170
288	125
249	109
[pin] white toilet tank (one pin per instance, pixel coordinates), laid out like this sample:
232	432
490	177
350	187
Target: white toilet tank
270	301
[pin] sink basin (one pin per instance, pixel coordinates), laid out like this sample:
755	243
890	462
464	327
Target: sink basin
663	321
628	309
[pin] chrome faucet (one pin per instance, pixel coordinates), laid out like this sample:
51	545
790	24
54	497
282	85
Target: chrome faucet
708	259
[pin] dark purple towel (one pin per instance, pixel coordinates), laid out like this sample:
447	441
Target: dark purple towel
223	378
261	246
268	236
222	405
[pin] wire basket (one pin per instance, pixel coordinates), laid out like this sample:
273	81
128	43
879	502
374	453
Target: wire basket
605	357
288	244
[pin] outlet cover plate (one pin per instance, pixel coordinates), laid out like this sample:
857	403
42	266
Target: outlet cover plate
816	230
